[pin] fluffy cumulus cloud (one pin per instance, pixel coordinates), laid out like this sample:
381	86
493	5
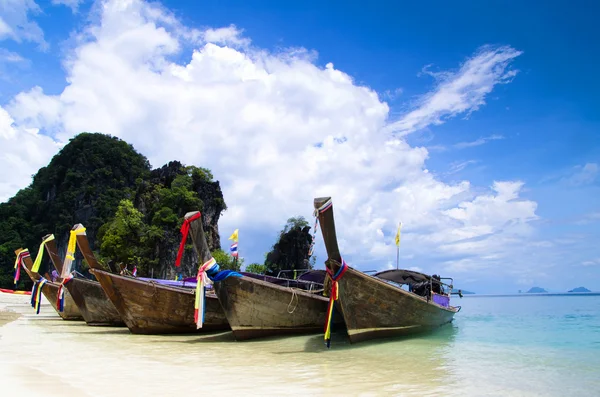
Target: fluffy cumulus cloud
23	152
277	130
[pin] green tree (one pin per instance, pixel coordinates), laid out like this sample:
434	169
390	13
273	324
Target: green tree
226	261
256	268
125	238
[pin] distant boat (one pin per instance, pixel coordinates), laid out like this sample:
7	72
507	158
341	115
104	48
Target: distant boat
376	306
88	295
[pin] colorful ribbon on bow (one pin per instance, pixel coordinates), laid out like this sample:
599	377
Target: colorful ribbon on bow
207	274
332	298
19	262
36	294
202	281
60	296
184	234
40	254
70	255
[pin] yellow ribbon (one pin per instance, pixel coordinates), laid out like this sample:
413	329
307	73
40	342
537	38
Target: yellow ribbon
40	254
70	255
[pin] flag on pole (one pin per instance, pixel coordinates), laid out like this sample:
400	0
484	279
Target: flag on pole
233	250
398	235
234	236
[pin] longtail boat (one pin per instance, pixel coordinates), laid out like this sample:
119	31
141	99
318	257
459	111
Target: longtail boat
49	288
258	306
152	306
88	295
375	306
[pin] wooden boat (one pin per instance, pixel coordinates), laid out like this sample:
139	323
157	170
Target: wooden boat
150	306
88	295
259	306
50	291
376	306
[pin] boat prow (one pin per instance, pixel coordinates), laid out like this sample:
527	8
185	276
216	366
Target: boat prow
88	295
376	306
50	292
148	307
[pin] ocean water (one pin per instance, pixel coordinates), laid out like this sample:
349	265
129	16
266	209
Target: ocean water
497	346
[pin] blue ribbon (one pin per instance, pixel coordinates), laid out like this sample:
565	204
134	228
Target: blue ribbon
215	275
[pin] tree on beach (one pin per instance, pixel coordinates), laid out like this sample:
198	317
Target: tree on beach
256	268
226	261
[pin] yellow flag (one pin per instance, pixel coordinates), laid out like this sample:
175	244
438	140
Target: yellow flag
398	235
234	236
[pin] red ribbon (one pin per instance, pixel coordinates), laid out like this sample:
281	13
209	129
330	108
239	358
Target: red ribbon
184	234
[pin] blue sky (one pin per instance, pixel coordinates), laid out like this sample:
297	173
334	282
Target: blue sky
538	127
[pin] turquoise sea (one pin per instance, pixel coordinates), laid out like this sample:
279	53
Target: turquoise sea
497	346
546	345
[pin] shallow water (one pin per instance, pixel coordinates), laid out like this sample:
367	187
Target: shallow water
497	346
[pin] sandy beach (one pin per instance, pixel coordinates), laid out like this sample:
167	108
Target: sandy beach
46	356
481	353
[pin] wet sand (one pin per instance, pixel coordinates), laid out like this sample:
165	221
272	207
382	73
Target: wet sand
6	317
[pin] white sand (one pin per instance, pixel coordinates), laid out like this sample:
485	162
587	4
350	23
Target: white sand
43	355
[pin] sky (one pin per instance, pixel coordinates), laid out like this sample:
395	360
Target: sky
476	125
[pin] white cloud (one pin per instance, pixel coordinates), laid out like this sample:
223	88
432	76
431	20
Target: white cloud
16	25
579	175
230	35
277	131
10	57
72	4
458	166
584	175
593	262
393	94
23	152
478	142
461	92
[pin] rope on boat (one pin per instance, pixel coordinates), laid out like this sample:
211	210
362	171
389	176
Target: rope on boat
20	262
294	295
316	213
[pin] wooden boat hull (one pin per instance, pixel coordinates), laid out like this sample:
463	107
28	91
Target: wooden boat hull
256	308
70	309
50	291
94	305
152	308
374	309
